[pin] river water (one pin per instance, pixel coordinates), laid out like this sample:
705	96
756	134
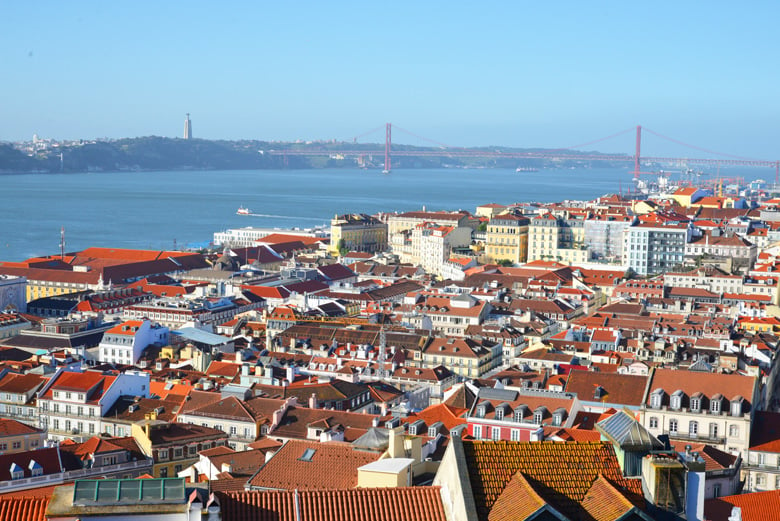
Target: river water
154	209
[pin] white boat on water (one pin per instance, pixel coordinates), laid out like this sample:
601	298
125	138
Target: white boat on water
243	211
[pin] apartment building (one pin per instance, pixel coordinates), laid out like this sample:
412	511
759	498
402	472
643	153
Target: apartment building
507	238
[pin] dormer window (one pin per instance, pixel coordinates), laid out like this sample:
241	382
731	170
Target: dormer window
500	410
715	404
539	415
736	406
35	468
415	427
657	398
676	400
599	393
696	400
434	429
520	413
17	472
558	416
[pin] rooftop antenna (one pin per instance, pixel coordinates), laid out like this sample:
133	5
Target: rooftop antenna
62	243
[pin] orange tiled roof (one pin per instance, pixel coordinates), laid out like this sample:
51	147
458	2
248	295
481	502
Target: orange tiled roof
17	508
757	505
377	504
563	472
338	461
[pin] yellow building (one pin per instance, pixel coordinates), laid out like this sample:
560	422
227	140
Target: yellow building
687	195
357	232
507	238
174	446
17	437
490	210
557	239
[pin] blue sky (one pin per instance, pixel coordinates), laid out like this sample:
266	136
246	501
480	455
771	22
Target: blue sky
549	74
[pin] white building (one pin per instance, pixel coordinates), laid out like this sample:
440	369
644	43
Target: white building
73	403
651	248
246	237
124	344
433	244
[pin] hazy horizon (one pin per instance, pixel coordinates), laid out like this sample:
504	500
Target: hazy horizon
516	75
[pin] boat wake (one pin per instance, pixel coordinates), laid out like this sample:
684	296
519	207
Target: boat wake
272	216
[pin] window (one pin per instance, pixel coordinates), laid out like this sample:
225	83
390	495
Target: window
713	430
733	430
693	428
162	454
233	430
538	417
672	426
478	432
676	400
177	452
164	472
715	407
496	433
192	450
760	480
695	404
499	413
16	445
515	435
653	422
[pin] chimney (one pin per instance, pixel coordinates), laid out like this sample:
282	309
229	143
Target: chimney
396	447
694	500
313	402
290	373
375	421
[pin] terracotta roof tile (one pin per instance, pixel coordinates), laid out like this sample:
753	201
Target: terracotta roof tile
23	508
377	504
564	472
757	505
604	502
623	389
338	461
519	500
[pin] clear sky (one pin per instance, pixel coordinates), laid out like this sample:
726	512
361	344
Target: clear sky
515	73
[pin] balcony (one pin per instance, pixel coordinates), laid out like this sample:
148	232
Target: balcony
133	467
696	438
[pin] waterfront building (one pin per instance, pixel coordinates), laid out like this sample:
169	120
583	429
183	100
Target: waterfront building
507	238
250	235
357	232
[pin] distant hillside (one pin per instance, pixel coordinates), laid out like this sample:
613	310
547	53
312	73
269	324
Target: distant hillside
159	153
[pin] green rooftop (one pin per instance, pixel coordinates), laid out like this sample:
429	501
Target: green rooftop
87	492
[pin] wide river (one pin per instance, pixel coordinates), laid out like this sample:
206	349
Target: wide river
155	209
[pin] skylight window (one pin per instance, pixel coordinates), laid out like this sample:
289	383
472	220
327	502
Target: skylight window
308	454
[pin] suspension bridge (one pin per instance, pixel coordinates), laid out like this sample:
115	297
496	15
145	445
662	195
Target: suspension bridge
560	154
